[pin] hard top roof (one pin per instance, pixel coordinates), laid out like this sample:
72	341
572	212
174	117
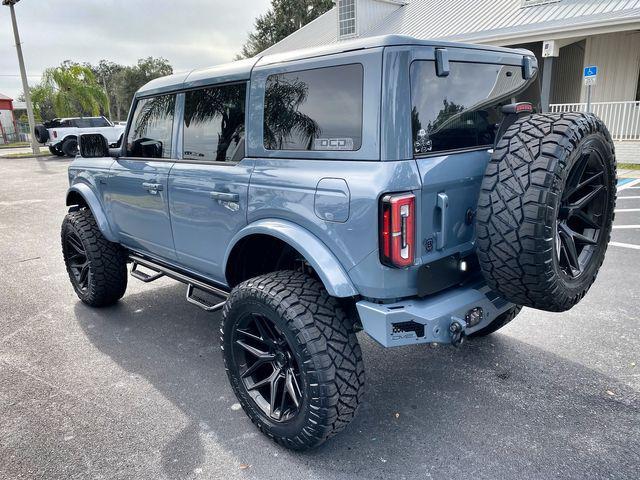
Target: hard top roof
241	69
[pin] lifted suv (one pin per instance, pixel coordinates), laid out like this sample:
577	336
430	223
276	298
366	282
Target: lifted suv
386	184
61	134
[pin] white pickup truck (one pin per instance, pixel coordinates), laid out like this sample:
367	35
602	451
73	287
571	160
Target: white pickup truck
61	134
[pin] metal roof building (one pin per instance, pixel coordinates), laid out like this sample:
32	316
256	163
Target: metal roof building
565	35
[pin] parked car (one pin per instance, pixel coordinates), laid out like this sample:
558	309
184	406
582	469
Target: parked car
386	184
61	134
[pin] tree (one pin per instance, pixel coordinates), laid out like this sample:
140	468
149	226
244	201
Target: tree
282	117
107	75
73	91
281	20
130	79
42	99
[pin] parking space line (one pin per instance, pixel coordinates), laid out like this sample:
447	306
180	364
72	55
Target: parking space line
628	183
626	226
618	210
631	197
625	245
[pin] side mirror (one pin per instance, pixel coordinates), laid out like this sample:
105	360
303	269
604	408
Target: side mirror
93	145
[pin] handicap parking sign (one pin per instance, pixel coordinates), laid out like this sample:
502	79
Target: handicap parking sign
590	71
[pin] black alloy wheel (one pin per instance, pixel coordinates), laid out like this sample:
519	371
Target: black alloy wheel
581	213
77	261
268	368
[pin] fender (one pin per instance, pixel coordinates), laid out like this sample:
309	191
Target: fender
333	275
94	205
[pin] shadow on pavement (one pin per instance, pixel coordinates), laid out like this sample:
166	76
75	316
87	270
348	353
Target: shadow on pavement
495	408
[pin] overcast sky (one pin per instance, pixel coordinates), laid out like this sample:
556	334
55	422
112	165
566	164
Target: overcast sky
189	33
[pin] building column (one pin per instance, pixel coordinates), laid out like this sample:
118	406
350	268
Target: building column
550	50
547	73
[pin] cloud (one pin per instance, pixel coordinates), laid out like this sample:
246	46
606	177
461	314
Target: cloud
189	33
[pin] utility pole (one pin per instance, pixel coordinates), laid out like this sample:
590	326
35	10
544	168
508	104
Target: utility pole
23	74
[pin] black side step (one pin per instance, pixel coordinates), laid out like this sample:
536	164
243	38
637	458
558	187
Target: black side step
193	284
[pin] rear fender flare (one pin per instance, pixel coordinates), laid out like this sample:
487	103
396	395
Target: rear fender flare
91	199
326	265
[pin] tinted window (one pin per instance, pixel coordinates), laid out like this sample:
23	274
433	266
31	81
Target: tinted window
151	127
461	110
314	109
98	122
214	123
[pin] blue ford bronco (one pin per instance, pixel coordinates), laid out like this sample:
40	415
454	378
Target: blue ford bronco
403	187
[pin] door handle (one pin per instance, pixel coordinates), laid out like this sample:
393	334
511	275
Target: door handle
442	205
152	188
225	196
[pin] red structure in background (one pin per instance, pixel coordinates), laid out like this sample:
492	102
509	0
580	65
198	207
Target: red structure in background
7	116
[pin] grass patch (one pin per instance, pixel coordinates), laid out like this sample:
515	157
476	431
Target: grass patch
25	155
14	145
629	166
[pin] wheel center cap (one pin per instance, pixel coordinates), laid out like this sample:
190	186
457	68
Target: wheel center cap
281	359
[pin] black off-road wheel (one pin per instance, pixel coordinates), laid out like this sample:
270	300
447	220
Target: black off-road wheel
97	267
497	323
545	209
41	133
56	150
70	147
292	358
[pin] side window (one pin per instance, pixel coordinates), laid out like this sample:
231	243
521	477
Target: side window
214	123
152	127
99	122
461	110
318	109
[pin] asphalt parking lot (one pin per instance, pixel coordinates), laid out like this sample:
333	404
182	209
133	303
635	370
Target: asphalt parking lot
138	390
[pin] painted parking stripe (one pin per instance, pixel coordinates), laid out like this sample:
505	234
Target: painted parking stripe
627	183
625	245
631	197
624	181
622	210
626	226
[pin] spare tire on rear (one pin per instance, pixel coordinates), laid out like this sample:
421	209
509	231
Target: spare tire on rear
545	209
41	133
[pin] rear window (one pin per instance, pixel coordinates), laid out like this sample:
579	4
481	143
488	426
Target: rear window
462	110
318	109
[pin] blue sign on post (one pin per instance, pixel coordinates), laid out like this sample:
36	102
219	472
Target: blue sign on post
590	71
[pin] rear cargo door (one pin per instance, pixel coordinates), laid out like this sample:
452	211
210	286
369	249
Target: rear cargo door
455	118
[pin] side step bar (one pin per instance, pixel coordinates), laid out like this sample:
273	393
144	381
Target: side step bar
193	284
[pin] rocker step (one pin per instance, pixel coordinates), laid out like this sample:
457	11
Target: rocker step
195	286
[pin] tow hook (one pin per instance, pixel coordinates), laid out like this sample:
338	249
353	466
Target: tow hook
457	333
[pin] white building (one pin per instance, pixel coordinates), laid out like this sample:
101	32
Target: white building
565	35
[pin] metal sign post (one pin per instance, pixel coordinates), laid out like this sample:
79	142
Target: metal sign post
590	76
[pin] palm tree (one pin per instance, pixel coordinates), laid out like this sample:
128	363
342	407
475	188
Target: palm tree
282	118
75	91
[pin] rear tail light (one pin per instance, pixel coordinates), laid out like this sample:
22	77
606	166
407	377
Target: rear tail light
397	229
55	134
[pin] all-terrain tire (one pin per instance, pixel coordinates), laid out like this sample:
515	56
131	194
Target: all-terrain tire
526	189
497	323
55	150
41	133
106	277
70	147
322	340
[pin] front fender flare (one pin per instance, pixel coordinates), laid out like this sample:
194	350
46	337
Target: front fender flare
94	205
331	273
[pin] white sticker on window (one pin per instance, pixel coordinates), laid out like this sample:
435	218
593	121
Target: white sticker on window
333	144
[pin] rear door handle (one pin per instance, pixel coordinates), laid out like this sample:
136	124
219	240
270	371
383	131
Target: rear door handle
225	196
441	236
152	188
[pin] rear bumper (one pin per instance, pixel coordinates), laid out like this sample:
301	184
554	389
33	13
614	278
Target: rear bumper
429	319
